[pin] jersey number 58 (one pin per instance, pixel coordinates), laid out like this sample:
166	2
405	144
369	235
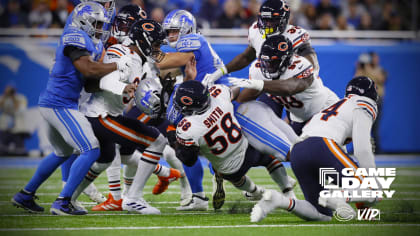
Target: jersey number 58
229	128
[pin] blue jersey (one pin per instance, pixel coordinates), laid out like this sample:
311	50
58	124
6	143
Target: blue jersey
65	82
207	62
207	59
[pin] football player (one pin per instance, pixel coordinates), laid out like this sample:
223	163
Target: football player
210	128
91	191
104	111
351	118
182	34
126	17
80	47
273	19
288	78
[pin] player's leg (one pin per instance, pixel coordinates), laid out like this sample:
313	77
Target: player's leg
268	134
132	133
81	134
25	198
199	201
306	169
91	191
176	173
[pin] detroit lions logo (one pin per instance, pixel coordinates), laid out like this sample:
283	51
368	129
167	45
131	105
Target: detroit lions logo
86	9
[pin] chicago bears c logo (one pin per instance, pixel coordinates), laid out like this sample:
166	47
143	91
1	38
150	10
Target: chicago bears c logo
282	46
148	26
186	100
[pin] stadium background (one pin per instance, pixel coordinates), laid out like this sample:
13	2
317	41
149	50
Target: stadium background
27	54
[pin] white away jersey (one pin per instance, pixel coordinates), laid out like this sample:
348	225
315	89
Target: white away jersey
216	132
302	106
295	34
336	122
113	103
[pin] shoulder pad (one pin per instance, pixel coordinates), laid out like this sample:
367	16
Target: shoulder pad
300	67
189	42
296	35
74	38
117	51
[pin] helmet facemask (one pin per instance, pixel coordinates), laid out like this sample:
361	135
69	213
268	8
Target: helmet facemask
272	68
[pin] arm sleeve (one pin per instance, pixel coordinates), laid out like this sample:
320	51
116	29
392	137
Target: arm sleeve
111	83
74	52
362	125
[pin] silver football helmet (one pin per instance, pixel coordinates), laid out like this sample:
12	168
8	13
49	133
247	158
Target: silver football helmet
91	18
147	96
181	20
110	9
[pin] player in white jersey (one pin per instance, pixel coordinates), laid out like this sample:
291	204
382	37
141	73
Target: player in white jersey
273	19
289	78
209	127
319	147
104	111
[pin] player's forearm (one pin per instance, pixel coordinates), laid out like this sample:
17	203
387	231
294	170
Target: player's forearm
173	60
287	87
93	70
247	95
241	61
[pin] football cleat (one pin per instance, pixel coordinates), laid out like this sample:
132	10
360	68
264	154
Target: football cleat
64	207
26	201
163	183
218	192
92	192
140	206
268	203
109	205
256	195
197	203
78	206
342	209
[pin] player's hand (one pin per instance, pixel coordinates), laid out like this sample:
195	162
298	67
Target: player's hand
209	79
130	89
190	70
246	83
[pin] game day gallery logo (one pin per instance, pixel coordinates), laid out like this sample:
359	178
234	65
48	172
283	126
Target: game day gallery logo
357	184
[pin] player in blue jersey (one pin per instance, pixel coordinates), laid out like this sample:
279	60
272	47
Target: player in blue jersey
90	191
181	29
80	47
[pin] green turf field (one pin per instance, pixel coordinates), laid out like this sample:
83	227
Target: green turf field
399	216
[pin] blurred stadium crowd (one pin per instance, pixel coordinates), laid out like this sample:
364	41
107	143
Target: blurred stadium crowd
309	14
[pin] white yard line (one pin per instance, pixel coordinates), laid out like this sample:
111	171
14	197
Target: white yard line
210	227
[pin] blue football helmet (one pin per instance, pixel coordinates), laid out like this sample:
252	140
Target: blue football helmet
363	86
192	98
91	18
180	20
148	96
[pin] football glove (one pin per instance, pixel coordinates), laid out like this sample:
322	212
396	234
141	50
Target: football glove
246	83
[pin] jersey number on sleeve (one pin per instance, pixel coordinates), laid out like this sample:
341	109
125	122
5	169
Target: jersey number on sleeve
228	127
332	110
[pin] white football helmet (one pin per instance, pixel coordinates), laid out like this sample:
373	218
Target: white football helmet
147	96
